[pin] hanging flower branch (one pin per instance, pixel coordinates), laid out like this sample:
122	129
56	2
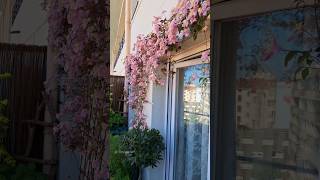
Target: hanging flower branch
78	34
144	64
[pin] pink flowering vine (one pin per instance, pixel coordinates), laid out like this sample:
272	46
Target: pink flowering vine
78	34
205	56
271	51
145	63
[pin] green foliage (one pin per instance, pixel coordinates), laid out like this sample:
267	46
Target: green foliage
289	57
20	172
5	157
3	120
196	27
142	147
117	123
304	60
119	168
204	81
304	73
8	168
115	119
5	76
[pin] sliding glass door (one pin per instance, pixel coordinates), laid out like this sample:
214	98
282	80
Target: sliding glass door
192	115
271	120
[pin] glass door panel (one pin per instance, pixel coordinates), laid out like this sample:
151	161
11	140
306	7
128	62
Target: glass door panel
192	123
277	95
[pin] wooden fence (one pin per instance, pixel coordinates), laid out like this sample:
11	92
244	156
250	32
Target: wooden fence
117	95
27	66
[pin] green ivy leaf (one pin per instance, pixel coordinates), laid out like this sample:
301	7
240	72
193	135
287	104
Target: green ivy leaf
289	57
305	72
5	76
301	59
309	61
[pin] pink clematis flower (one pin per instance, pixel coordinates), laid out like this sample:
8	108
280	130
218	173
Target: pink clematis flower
205	8
172	32
205	56
269	52
186	32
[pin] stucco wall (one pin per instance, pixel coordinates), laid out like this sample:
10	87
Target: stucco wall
142	22
31	21
155	110
5	20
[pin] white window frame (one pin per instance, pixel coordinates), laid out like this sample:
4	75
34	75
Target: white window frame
222	10
172	121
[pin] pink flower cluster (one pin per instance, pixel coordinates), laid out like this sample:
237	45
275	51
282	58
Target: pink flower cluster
77	33
56	18
142	68
144	64
205	56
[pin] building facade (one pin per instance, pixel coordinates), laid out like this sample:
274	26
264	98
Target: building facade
6	7
254	118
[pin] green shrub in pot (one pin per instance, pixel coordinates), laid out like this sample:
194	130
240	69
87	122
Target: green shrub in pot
142	148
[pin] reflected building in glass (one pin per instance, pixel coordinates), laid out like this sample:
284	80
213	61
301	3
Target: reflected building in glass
276	111
256	98
193	122
304	134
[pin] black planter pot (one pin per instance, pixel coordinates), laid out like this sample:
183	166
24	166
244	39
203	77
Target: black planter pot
118	130
135	172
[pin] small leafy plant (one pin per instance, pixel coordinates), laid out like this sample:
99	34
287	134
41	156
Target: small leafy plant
117	123
142	148
5	157
119	168
20	172
115	119
305	59
8	168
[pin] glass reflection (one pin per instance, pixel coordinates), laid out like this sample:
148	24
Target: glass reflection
277	112
193	123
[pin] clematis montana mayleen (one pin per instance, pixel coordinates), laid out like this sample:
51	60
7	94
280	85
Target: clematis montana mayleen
144	64
77	35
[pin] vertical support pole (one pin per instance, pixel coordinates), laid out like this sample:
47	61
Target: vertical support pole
49	145
127	43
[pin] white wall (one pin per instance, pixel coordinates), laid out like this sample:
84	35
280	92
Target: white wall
156	108
142	23
157	119
31	21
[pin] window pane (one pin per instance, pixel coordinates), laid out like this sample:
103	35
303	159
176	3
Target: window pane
277	96
193	123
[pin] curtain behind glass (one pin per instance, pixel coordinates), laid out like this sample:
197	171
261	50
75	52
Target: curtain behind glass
193	123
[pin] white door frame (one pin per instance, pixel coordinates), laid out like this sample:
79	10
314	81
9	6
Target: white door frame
171	125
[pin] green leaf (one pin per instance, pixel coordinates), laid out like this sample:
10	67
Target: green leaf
5	76
195	35
305	72
309	61
289	57
4	102
301	59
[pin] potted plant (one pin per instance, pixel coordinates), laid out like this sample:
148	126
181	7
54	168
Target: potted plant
142	147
